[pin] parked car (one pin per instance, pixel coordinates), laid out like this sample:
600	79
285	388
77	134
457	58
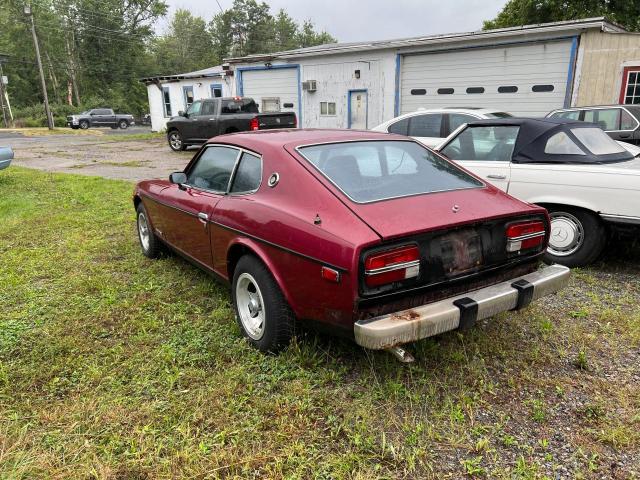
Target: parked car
431	127
586	180
621	122
100	117
370	235
208	118
6	155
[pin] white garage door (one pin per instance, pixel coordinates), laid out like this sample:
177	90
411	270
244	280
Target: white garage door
275	89
524	80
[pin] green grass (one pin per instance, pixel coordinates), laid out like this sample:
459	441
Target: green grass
114	366
127	137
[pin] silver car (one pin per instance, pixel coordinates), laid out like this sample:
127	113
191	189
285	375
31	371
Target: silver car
6	155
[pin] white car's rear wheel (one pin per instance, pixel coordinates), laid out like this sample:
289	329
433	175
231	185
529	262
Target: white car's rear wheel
577	237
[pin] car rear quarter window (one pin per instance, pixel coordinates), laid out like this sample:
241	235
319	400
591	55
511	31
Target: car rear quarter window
493	143
370	171
571	115
561	144
248	174
213	169
401	127
429	125
598	142
627	122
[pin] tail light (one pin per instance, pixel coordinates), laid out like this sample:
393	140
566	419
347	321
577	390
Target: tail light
253	124
295	122
392	266
525	235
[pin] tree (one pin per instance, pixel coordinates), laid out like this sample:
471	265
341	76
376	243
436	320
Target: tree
308	37
527	12
186	47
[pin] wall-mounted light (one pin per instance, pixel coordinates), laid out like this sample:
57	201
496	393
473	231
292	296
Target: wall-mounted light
357	73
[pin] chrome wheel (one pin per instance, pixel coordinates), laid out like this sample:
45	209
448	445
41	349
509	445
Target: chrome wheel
567	234
175	140
250	305
123	124
143	231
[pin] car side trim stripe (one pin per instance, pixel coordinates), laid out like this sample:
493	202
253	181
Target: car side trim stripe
253	237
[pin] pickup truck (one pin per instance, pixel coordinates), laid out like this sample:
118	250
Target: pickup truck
216	116
100	117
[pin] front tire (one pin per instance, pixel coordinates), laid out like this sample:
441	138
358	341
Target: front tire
263	314
149	243
577	237
175	141
123	124
84	124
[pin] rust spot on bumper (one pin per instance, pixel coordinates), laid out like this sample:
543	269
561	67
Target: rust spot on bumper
407	315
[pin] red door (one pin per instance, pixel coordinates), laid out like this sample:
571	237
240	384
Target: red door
187	221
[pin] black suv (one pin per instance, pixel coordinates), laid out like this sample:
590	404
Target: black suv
621	122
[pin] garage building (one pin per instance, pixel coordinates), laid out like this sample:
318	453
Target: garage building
528	70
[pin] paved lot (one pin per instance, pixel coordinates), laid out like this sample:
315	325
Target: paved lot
107	153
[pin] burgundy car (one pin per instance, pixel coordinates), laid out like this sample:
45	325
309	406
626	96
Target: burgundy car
370	235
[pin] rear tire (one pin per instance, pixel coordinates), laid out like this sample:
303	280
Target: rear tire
577	237
263	314
175	141
149	243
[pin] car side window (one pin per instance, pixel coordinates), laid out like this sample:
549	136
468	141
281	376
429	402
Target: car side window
426	125
194	108
561	144
572	115
605	118
457	119
627	122
208	108
212	171
248	175
401	127
490	143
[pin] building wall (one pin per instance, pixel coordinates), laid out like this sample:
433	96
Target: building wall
201	89
601	60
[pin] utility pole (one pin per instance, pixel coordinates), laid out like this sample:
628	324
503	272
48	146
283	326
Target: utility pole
4	113
28	13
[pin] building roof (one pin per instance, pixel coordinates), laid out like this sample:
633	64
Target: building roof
204	73
335	48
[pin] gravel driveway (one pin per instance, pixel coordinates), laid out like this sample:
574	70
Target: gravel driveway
104	155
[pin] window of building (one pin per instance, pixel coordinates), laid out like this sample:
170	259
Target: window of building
418	91
188	96
166	99
327	109
270	104
632	93
542	88
216	90
445	91
508	89
472	90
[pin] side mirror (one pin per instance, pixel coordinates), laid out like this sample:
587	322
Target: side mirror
178	178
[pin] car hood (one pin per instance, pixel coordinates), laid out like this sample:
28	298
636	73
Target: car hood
407	216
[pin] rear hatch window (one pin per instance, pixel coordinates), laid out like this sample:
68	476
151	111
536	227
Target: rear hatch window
370	171
240	105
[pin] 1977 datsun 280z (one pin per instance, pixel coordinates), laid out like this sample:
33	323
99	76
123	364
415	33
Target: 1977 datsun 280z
370	234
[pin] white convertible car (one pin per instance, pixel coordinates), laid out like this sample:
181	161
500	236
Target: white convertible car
587	181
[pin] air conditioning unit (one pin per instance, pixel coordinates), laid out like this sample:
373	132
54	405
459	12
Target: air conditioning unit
310	86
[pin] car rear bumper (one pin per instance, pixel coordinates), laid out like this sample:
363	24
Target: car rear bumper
461	311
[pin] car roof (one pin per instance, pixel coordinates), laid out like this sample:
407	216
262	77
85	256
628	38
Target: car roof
295	137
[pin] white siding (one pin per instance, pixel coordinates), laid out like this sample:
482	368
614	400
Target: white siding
519	65
279	83
201	89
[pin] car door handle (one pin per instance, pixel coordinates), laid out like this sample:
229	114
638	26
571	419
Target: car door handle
497	177
203	216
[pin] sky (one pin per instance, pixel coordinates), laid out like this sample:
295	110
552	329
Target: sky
363	20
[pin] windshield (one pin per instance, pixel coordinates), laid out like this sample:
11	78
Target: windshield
369	171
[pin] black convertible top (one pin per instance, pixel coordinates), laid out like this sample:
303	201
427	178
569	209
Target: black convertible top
534	133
